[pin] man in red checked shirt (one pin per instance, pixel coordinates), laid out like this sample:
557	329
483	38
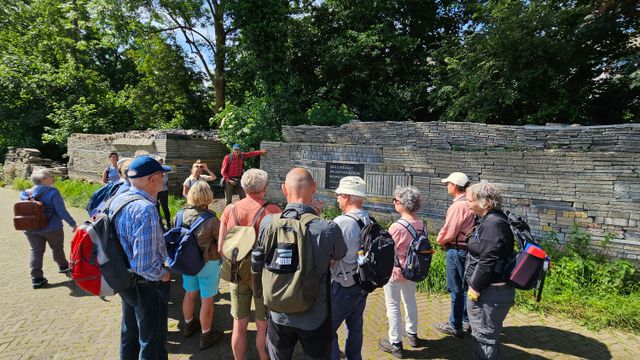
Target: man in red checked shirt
232	171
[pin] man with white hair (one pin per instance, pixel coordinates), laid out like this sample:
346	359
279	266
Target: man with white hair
53	234
348	298
144	305
453	237
245	212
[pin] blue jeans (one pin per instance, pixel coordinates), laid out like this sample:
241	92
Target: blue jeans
457	287
144	321
347	304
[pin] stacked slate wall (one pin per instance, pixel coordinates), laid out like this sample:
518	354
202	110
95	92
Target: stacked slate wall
88	153
556	177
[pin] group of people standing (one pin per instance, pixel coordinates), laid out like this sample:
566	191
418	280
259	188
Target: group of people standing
476	237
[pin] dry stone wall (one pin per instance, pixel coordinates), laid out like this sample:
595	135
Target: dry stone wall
556	177
21	162
88	153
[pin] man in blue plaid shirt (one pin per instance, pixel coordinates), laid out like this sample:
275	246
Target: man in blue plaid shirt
145	305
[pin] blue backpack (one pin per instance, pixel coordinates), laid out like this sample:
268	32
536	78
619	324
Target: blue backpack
183	253
419	254
101	196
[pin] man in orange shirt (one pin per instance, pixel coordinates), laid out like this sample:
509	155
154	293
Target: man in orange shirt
453	237
254	183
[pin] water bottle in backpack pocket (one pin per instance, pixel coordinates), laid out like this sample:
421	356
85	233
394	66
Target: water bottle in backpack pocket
290	282
376	255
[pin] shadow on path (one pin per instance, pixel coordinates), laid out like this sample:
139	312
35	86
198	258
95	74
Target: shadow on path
552	339
528	337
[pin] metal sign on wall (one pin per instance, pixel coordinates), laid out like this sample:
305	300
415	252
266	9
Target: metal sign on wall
336	171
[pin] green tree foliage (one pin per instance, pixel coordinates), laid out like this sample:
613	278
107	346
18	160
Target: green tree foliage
85	66
531	62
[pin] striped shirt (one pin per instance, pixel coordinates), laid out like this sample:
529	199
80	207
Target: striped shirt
139	232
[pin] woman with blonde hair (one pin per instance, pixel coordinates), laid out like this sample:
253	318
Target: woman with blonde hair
206	281
196	175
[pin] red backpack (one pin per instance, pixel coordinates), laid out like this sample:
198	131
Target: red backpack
98	262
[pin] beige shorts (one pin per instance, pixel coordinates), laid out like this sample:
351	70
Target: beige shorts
241	296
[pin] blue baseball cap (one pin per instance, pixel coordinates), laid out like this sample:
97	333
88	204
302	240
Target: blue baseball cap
144	166
236	146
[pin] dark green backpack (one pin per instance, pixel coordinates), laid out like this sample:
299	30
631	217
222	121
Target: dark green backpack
290	281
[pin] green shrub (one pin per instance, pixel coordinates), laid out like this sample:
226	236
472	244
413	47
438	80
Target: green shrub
76	193
21	184
176	203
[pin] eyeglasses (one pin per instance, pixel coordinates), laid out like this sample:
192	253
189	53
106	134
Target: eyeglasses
396	201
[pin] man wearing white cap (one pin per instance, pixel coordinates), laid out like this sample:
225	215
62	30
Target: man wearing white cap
348	298
453	237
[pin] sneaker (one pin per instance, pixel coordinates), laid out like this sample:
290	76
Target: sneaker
446	328
210	338
412	339
466	327
191	327
39	282
64	270
394	349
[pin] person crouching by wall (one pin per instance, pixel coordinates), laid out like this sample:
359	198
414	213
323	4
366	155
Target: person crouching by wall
490	296
55	211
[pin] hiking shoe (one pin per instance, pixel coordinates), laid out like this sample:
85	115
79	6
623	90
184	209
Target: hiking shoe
39	282
412	339
466	327
446	328
191	327
394	349
211	337
65	270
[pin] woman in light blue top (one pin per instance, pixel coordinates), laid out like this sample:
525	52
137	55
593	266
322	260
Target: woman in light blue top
110	174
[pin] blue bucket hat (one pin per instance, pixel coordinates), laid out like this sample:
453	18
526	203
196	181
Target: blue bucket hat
144	166
236	146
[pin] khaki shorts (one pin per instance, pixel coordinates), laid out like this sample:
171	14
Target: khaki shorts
241	296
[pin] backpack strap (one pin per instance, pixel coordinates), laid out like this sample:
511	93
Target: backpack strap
409	228
235	215
263	208
357	219
40	196
201	219
179	219
127	200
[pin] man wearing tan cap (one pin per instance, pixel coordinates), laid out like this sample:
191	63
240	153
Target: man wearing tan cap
348	298
453	237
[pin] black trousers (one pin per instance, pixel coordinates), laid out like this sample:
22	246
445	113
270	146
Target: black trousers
163	201
316	344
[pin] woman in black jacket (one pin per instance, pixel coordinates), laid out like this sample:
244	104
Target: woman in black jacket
490	295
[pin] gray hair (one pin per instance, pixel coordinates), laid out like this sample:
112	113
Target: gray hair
254	181
486	194
409	197
40	174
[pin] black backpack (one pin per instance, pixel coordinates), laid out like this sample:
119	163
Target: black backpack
528	267
379	255
419	254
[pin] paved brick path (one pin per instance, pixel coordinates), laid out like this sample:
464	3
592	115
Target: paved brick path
59	322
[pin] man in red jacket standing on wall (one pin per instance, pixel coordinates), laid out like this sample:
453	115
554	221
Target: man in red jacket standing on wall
232	171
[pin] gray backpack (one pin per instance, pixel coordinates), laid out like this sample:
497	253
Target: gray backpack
290	281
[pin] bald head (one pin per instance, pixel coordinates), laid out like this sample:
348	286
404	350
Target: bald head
299	186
